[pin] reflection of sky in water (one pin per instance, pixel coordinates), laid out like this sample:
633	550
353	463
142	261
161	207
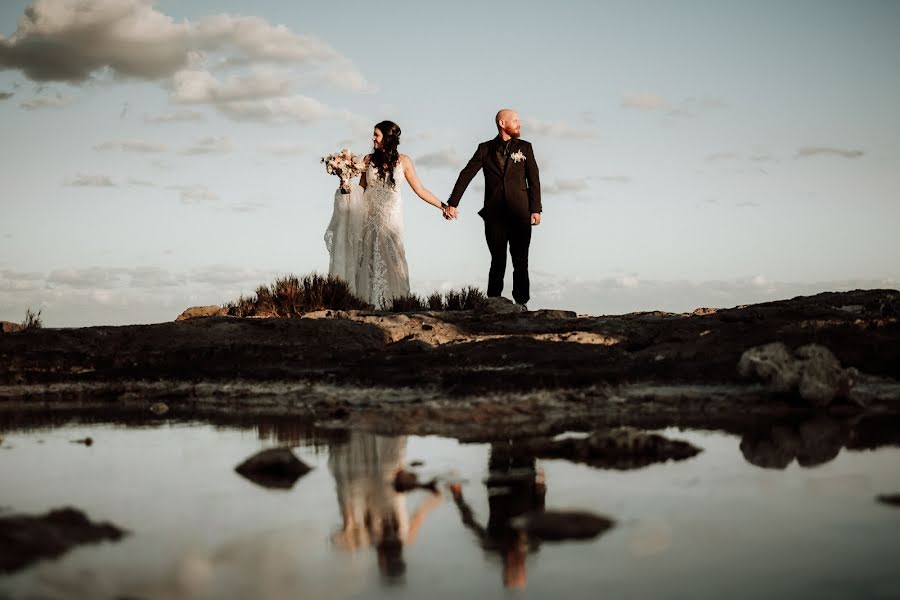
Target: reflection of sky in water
711	526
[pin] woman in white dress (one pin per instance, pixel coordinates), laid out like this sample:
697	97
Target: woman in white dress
383	273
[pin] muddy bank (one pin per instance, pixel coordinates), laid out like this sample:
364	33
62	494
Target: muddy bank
463	374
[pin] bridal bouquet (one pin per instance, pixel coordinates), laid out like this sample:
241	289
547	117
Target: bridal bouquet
345	165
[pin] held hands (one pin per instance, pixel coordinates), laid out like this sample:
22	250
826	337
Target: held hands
448	211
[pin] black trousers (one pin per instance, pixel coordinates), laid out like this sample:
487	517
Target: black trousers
502	233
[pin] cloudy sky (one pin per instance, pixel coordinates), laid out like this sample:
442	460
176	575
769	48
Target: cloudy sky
157	155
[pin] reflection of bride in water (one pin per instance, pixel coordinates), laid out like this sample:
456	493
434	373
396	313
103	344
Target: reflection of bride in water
373	513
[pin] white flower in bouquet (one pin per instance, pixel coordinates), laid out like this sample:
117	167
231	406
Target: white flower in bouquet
345	165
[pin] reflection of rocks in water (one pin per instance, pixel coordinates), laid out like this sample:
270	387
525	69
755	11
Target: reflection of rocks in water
276	468
298	432
25	540
813	442
557	525
890	499
870	433
406	481
622	448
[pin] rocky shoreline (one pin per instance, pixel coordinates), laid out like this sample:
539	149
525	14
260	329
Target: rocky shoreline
472	375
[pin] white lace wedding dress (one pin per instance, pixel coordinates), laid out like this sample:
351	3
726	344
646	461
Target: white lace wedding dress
365	239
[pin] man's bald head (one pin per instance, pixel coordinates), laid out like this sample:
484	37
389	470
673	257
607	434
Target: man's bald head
507	121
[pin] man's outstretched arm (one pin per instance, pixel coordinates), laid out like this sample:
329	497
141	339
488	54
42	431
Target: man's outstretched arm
465	176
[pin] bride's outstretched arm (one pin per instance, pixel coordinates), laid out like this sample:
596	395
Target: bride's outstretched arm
421	191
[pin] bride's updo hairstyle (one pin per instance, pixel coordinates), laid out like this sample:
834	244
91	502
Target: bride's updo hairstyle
386	158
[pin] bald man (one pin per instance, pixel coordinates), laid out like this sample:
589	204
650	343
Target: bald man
512	201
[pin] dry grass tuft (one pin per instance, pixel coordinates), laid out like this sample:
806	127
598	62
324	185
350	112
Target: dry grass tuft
291	296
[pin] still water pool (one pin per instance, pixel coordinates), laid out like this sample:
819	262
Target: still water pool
716	525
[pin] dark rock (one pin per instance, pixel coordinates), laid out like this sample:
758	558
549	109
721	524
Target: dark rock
547	313
406	481
499	306
10	327
622	449
25	539
416	463
196	312
558	525
86	441
811	371
890	499
275	468
159	408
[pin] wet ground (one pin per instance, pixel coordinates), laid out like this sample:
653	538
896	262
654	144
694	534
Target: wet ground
782	508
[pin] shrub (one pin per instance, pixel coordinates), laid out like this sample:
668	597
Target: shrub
435	301
453	300
409	303
32	319
472	298
468	298
291	296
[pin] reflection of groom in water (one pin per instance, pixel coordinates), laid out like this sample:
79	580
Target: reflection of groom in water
512	201
515	487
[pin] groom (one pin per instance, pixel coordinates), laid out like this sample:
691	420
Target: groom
512	201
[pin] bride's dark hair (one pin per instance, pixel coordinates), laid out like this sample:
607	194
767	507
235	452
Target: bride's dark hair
386	158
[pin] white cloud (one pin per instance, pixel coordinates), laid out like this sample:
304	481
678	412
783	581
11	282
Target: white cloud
181	115
446	158
62	40
558	129
137	146
629	293
614	178
209	146
46	101
284	150
201	87
196	194
78	40
81	180
564	186
92	277
295	109
246	207
721	156
693	107
809	151
646	101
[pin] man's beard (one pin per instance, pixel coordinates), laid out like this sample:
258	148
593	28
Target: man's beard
513	133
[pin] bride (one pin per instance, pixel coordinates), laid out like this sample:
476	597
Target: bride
365	237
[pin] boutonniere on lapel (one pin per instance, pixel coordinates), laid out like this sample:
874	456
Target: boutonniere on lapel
517	156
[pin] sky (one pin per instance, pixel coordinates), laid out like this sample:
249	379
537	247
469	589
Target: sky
159	155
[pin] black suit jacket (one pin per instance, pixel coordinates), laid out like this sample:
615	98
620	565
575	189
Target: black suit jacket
514	191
